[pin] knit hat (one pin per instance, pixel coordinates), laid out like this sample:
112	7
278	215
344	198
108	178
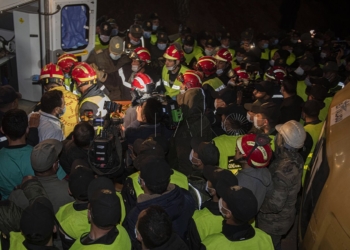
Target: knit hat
45	154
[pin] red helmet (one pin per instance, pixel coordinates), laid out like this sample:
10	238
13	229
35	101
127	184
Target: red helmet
66	62
83	73
223	55
242	74
276	73
141	54
143	83
256	156
51	73
173	53
192	79
207	65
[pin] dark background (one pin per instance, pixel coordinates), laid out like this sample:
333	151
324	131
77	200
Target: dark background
235	15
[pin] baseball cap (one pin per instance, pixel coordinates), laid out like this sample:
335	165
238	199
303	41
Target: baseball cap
155	171
147	25
226	35
307	61
105	28
252	107
228	95
116	45
216	175
162	37
261	37
98	183
189	40
210	42
313	107
45	154
318	92
207	151
38	219
79	180
264	86
240	201
270	110
151	146
330	66
153	16
321	81
305	36
105	208
8	94
136	30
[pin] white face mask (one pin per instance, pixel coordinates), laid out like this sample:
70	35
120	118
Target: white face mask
272	62
134	42
114	32
219	71
256	122
222	208
275	42
265	46
299	71
135	68
188	49
154	27
208	52
208	189
307	81
161	46
323	55
224	46
114	57
182	91
239	58
63	111
171	68
147	34
248	118
104	39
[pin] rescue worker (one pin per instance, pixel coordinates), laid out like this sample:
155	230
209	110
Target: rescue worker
157	52
207	65
306	63
103	37
266	117
169	82
110	59
223	64
133	38
238	206
52	78
92	98
154	18
147	33
66	62
277	214
276	74
192	52
209	48
262	42
225	44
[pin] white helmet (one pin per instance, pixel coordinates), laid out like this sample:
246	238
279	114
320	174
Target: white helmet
293	133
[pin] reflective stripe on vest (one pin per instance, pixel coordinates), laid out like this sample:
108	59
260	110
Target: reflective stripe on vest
122	76
261	241
16	241
122	242
99	101
175	89
207	223
176	178
216	83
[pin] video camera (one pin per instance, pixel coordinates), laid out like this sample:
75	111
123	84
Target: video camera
103	157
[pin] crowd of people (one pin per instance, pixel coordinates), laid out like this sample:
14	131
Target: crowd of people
211	153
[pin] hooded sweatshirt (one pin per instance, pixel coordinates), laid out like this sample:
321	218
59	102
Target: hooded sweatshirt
258	180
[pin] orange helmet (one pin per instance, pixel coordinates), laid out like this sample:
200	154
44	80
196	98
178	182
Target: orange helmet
83	73
51	73
172	53
207	65
223	55
141	54
191	79
66	62
255	155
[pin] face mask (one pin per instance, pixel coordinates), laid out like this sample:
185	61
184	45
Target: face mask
224	46
147	34
265	46
223	126
154	27
62	112
134	68
114	32
66	76
307	81
161	46
208	189
135	233
114	57
182	40
272	62
248	118
290	51
323	55
299	71
222	208
239	58
134	42
208	52
275	42
219	71
182	91
171	68
191	156
188	49
256	123
104	39
294	41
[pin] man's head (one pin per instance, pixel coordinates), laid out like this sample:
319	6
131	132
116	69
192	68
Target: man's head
52	102
135	34
209	48
83	76
153	227
262	41
330	70
150	111
203	153
311	109
44	157
15	124
105	32
51	76
266	116
38	222
288	86
263	90
293	134
83	134
8	98
223	60
188	44
79	179
155	175
115	47
173	56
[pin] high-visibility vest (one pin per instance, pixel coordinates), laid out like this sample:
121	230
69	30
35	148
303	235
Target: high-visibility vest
176	178
98	44
173	90
196	53
99	101
16	241
301	87
290	60
324	112
122	242
207	223
265	55
314	130
216	83
261	241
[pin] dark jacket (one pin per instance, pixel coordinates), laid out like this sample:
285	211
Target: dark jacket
291	109
71	152
174	243
94	90
177	202
278	211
